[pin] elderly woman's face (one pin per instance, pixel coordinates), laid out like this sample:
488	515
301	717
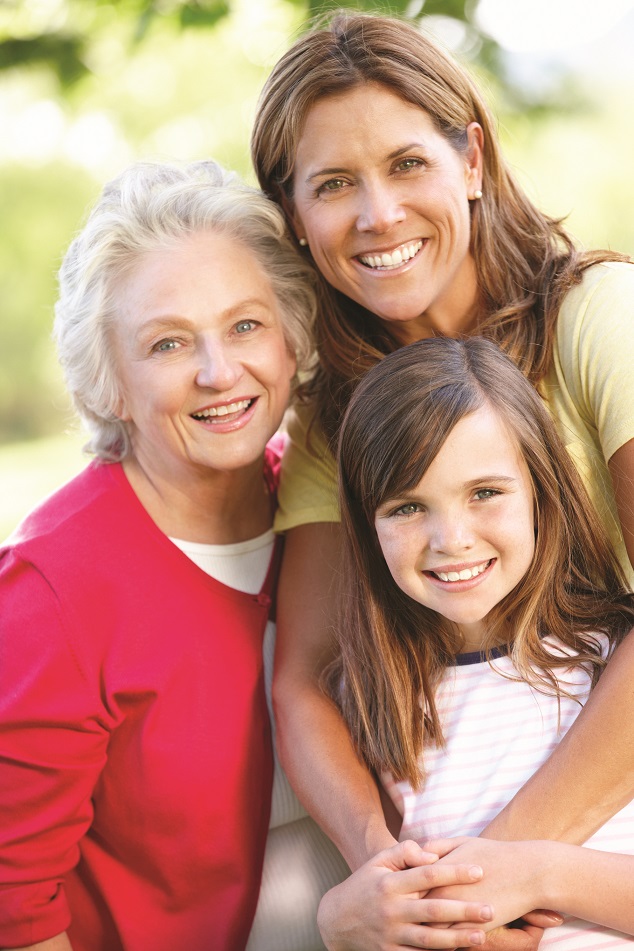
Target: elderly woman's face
204	368
383	199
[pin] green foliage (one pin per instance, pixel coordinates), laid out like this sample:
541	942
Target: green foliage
316	8
62	53
31	396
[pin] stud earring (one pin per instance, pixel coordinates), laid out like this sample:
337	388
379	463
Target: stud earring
303	242
477	194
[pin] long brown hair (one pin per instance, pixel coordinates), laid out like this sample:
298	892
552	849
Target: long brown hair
393	649
525	260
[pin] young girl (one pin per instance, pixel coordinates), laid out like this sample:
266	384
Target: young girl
481	602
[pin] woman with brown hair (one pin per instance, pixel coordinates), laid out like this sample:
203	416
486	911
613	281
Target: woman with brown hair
384	157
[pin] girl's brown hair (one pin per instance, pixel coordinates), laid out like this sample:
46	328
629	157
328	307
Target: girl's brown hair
393	649
525	261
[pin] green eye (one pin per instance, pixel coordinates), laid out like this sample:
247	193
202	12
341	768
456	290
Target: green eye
332	185
245	326
410	508
484	494
164	346
406	164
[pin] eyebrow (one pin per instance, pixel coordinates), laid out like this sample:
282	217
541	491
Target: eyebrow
169	321
487	479
342	169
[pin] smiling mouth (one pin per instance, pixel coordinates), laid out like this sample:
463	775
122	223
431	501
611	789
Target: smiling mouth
221	412
389	260
464	575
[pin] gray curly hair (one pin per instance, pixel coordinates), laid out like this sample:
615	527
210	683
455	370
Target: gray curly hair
144	209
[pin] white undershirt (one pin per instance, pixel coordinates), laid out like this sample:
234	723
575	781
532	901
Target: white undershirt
242	565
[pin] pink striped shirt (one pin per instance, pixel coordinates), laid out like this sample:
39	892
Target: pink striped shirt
498	732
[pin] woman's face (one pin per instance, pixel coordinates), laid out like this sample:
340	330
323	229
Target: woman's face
203	365
383	200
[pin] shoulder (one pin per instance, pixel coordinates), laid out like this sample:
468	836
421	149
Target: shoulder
308	487
77	507
94	526
606	289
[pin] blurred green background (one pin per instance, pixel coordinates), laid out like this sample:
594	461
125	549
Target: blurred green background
87	86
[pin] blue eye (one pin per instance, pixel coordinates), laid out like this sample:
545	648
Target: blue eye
164	346
245	326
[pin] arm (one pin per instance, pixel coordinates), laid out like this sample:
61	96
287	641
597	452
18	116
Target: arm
314	744
48	768
585	883
621	467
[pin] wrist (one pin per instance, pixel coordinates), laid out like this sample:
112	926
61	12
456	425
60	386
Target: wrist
557	865
376	837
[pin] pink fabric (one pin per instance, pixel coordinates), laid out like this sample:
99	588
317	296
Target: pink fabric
135	750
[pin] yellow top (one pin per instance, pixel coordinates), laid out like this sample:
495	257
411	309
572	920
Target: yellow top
589	390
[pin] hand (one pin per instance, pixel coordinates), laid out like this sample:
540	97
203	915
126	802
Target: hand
526	938
382	906
512	882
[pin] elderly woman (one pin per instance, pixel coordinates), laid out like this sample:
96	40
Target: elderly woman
382	152
135	752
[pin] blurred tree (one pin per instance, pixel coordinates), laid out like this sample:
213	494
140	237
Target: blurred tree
63	43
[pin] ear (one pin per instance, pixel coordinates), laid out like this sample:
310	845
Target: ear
474	158
120	410
293	219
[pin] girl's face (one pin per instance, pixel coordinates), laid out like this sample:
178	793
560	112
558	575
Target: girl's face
461	540
383	200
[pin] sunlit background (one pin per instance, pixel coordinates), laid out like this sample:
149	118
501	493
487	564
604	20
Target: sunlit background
87	86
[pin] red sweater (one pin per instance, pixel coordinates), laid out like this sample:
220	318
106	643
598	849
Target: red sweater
135	751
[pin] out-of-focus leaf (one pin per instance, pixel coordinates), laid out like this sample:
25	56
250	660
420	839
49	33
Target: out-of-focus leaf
320	7
61	52
202	13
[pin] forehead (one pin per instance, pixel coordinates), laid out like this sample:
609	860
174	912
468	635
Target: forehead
481	443
205	268
337	116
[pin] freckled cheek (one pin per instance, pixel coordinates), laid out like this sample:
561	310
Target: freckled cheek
400	554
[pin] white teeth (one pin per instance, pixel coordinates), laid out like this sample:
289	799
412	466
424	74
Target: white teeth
463	575
385	261
223	410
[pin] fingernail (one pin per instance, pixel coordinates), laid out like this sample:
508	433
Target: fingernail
477	937
486	913
475	872
556	919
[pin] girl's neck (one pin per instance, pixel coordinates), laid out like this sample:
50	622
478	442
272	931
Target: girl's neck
478	637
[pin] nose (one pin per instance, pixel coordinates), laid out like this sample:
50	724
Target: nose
380	208
450	533
218	366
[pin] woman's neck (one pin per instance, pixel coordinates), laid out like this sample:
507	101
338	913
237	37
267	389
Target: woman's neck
214	508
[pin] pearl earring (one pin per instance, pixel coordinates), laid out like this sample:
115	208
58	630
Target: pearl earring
303	242
477	194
